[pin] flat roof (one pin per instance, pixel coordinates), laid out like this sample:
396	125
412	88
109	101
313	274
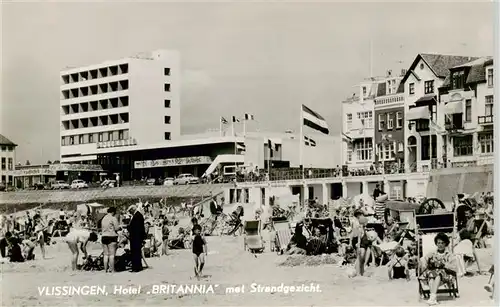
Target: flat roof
174	144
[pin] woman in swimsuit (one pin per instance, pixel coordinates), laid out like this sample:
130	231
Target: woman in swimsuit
360	241
199	250
40	228
82	236
109	240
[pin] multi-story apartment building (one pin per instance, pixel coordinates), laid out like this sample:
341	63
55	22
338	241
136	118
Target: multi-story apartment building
465	114
135	100
8	157
389	123
358	125
426	74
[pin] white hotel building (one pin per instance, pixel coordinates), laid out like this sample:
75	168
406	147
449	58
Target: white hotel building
358	120
465	114
135	100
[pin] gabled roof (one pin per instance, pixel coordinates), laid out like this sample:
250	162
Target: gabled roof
438	63
6	141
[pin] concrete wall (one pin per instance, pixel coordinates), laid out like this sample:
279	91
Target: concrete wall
446	183
147	95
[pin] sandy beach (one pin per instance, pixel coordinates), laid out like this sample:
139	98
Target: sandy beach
228	267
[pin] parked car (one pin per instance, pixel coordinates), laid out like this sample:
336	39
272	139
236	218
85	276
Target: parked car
59	185
151	181
168	181
79	184
108	183
38	186
186	179
3	187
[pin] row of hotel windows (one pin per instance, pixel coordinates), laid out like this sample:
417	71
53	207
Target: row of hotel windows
366	116
390	121
367	120
488	109
96	121
7	148
458	81
462	146
428	87
89	138
10	165
95	73
101	89
92	106
97	89
104	104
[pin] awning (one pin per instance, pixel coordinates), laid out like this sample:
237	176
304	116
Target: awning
454	107
418	113
426	99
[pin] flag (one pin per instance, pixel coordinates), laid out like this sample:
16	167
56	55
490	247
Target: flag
434	126
235	120
314	120
346	138
248	116
309	142
270	146
223	120
241	147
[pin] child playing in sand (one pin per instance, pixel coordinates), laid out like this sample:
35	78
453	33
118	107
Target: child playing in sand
199	250
398	266
343	242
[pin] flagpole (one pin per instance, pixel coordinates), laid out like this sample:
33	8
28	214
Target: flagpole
220	126
301	140
430	140
244	127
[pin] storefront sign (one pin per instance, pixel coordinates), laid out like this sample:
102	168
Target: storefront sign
173	162
117	143
76	167
35	172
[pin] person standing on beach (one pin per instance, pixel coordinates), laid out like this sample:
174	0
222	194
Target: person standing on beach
137	234
199	246
109	240
40	228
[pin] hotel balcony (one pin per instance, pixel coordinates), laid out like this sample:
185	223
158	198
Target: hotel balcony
485	120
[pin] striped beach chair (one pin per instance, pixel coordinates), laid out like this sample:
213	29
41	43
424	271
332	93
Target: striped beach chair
283	234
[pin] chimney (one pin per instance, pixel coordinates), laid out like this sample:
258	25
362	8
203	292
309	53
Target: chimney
403	72
389	73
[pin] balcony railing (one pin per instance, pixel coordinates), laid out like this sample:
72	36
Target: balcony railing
453	127
485	120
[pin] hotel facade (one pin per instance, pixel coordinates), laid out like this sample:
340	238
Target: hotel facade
119	103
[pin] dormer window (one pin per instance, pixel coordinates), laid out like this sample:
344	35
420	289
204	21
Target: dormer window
457	80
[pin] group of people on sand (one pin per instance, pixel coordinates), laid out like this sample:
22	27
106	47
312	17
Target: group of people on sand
361	242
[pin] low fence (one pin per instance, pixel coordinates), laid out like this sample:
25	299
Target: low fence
85	195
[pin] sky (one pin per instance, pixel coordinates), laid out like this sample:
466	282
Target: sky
265	59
